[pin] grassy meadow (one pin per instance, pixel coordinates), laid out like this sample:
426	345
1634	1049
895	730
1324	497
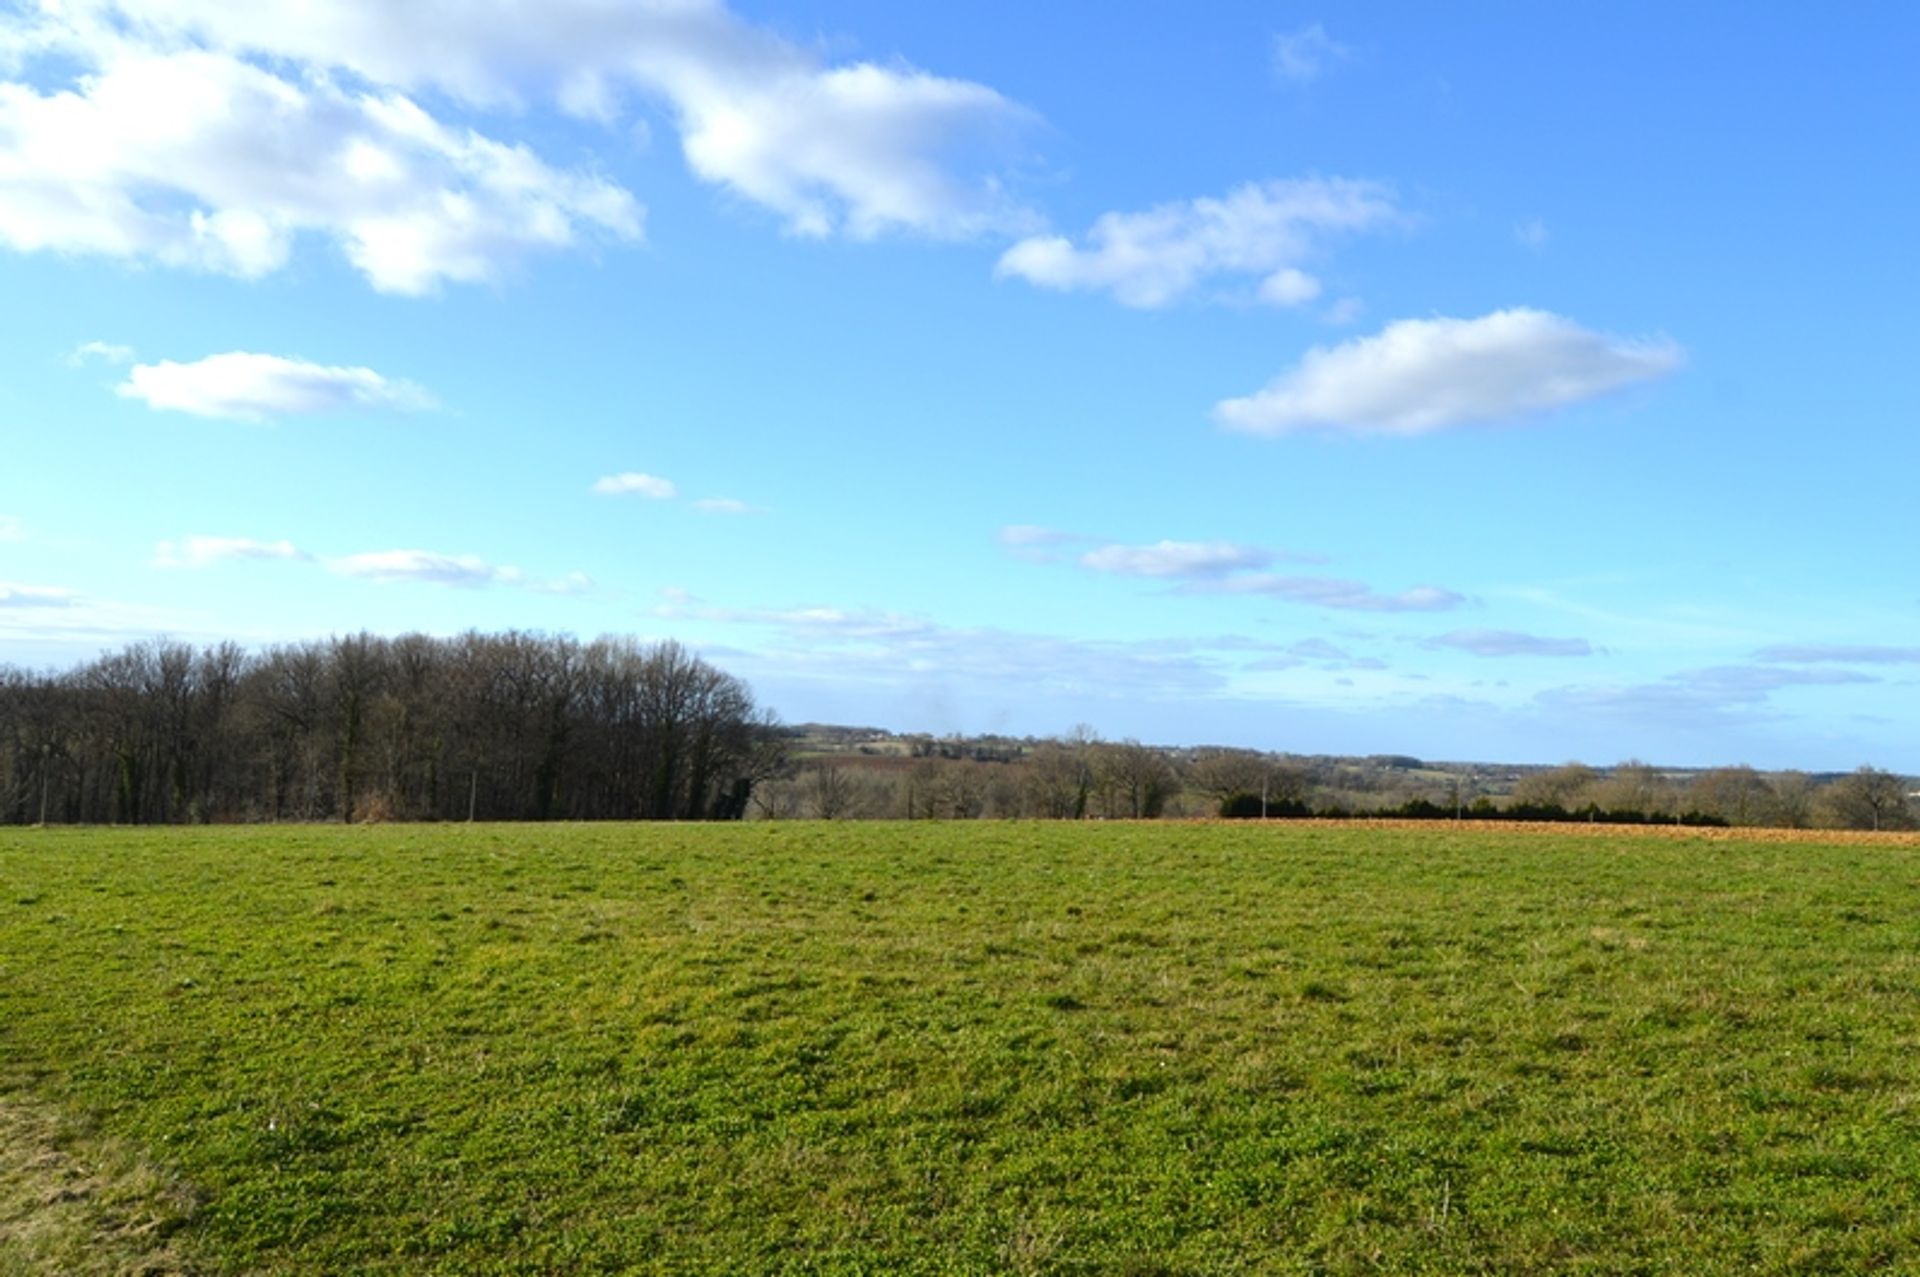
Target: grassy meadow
962	1048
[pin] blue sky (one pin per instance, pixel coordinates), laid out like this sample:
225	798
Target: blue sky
1475	381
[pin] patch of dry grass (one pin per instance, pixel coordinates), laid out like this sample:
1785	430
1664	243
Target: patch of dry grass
81	1207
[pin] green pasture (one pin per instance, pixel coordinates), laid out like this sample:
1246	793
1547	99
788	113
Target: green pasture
970	1048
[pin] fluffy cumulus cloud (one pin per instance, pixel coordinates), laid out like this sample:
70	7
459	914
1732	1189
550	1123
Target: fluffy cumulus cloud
206	134
1261	231
192	156
243	386
1419	375
205	551
1496	643
633	483
851	148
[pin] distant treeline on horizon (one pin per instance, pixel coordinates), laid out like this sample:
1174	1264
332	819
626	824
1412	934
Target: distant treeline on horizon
517	726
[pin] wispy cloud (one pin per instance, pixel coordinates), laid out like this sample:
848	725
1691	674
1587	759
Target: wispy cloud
425	566
635	484
1419	375
98	352
1532	234
1346	311
1262	232
1185	559
1222	568
1710	697
204	551
15	595
12	528
1839	653
463	570
882	648
570	584
1501	643
1299	57
724	505
1332	592
243	386
1037	544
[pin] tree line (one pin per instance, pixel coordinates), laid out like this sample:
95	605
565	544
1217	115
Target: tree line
511	726
1083	777
519	726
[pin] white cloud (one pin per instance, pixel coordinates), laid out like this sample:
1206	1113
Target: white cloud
425	565
1036	544
571	583
724	505
1289	287
1419	375
250	387
1032	534
1344	312
1318	649
204	551
1332	592
161	150
848	148
1709	697
104	351
1263	230
15	595
1501	643
1300	56
866	646
202	132
635	484
1176	559
11	528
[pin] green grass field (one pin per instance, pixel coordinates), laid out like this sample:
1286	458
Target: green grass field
969	1048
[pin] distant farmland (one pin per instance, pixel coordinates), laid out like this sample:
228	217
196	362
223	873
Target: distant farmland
952	1048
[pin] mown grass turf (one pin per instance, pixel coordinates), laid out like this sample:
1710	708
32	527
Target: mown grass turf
983	1048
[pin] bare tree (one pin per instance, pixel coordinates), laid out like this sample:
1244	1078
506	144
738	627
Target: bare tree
1133	781
1869	799
828	791
1568	786
1226	774
1737	795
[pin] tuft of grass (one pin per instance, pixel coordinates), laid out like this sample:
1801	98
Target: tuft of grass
960	1048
